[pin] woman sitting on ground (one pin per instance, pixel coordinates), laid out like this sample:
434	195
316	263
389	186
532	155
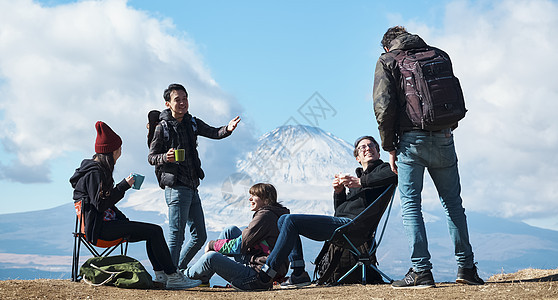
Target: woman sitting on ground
249	247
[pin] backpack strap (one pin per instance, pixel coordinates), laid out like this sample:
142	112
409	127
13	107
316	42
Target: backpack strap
165	129
194	125
112	275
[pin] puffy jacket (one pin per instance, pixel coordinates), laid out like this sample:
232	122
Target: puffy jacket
86	182
180	135
389	102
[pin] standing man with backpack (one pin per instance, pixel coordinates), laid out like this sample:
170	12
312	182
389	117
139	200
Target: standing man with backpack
417	103
180	175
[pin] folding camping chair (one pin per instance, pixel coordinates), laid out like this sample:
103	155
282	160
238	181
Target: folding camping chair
363	229
79	238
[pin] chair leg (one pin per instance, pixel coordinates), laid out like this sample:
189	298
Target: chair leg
91	249
75	254
75	259
349	272
363	282
381	273
126	248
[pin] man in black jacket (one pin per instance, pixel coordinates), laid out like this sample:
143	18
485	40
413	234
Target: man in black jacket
178	129
374	175
415	149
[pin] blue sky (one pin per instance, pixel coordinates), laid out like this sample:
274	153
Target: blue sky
66	64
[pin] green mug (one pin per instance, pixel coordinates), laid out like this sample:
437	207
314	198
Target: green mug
179	154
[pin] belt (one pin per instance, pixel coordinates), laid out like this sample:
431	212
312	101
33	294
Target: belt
431	132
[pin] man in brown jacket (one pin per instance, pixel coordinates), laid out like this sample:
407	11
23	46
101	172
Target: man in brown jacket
415	149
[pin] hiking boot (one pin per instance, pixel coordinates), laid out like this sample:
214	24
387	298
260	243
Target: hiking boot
297	281
468	276
415	280
160	280
252	283
177	281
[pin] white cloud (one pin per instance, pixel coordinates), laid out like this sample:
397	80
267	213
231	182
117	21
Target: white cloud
64	67
503	53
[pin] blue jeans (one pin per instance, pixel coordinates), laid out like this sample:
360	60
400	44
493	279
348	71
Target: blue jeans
288	245
184	209
214	262
435	151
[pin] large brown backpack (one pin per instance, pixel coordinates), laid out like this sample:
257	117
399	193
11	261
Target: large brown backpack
433	95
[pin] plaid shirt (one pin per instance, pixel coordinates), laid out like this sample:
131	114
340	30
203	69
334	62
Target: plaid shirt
188	172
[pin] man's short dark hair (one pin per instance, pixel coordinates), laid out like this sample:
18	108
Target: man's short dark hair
366	137
173	87
391	34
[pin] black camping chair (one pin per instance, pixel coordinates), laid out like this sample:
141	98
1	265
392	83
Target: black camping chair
79	238
363	229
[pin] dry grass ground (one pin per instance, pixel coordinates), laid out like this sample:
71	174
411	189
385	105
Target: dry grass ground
525	284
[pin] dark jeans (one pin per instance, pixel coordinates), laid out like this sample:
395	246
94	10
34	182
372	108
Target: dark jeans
288	245
157	250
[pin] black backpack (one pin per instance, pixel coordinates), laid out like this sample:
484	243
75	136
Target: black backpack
434	99
333	262
153	121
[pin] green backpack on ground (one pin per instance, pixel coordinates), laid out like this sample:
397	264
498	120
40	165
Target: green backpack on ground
120	270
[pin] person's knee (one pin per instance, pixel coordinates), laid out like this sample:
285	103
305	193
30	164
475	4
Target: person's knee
281	220
156	230
289	222
199	239
285	219
210	256
231	229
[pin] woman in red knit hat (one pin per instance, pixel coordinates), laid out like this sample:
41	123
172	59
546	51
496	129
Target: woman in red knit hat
94	185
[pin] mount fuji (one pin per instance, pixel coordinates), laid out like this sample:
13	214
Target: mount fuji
298	155
300	162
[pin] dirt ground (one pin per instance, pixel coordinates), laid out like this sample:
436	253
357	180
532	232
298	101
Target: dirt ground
525	284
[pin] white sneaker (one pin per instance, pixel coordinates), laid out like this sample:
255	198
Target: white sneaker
160	278
177	281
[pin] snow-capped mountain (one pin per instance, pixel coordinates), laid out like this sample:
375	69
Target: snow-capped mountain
298	154
300	161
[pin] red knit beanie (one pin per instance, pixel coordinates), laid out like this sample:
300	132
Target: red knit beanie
107	141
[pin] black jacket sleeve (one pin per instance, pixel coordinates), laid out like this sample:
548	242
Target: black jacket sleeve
211	132
93	180
158	148
339	198
381	175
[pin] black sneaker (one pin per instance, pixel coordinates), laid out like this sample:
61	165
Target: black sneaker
415	280
253	283
469	276
297	281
